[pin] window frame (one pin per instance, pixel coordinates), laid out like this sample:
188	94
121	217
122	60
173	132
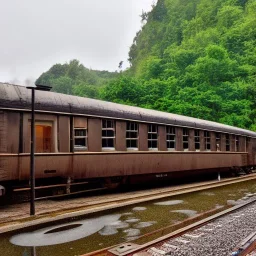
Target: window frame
112	127
81	148
170	131
197	140
207	140
185	134
151	133
218	141
237	144
129	126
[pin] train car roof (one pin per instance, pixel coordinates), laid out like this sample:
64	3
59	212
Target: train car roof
19	97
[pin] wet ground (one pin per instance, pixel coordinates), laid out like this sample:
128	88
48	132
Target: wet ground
125	224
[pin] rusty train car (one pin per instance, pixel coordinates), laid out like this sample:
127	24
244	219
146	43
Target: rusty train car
82	141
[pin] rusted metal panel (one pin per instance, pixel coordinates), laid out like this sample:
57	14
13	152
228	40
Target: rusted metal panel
13	119
242	144
232	143
223	142
9	169
4	173
162	146
47	166
13	96
120	136
213	141
191	140
94	134
93	165
143	137
251	147
3	131
80	122
64	133
179	139
202	141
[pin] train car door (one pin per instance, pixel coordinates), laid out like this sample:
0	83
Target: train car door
43	137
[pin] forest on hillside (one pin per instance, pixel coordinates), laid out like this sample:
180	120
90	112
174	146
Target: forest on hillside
196	58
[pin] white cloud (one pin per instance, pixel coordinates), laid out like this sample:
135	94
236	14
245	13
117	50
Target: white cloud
36	34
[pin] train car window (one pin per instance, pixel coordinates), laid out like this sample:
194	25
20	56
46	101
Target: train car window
227	142
218	141
236	143
108	134
170	137
185	139
132	135
80	139
197	140
207	141
152	137
43	137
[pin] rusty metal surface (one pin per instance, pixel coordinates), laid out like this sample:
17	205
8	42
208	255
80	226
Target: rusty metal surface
18	97
107	164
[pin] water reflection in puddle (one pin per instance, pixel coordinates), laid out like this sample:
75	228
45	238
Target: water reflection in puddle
139	209
208	193
145	224
124	224
119	224
132	232
170	202
127	214
108	230
43	237
132	220
189	213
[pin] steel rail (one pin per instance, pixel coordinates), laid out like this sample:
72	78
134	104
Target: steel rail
156	194
136	248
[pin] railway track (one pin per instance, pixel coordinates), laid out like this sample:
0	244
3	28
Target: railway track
190	239
161	192
56	211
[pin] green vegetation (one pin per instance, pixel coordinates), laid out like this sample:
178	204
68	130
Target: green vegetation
74	78
196	58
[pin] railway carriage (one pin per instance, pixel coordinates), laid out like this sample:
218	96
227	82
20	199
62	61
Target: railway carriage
81	141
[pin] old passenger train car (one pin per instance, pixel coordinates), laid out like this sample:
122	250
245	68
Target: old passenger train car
81	140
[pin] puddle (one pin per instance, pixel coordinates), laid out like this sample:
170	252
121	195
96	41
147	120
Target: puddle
132	220
170	202
119	224
63	228
127	214
132	232
218	206
208	193
145	224
45	236
139	209
79	237
232	202
189	213
108	230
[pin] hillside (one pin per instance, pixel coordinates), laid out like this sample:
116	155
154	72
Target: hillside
196	58
74	78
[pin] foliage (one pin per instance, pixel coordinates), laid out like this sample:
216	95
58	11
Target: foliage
74	78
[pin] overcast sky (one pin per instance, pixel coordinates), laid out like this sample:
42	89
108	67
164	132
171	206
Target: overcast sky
35	34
